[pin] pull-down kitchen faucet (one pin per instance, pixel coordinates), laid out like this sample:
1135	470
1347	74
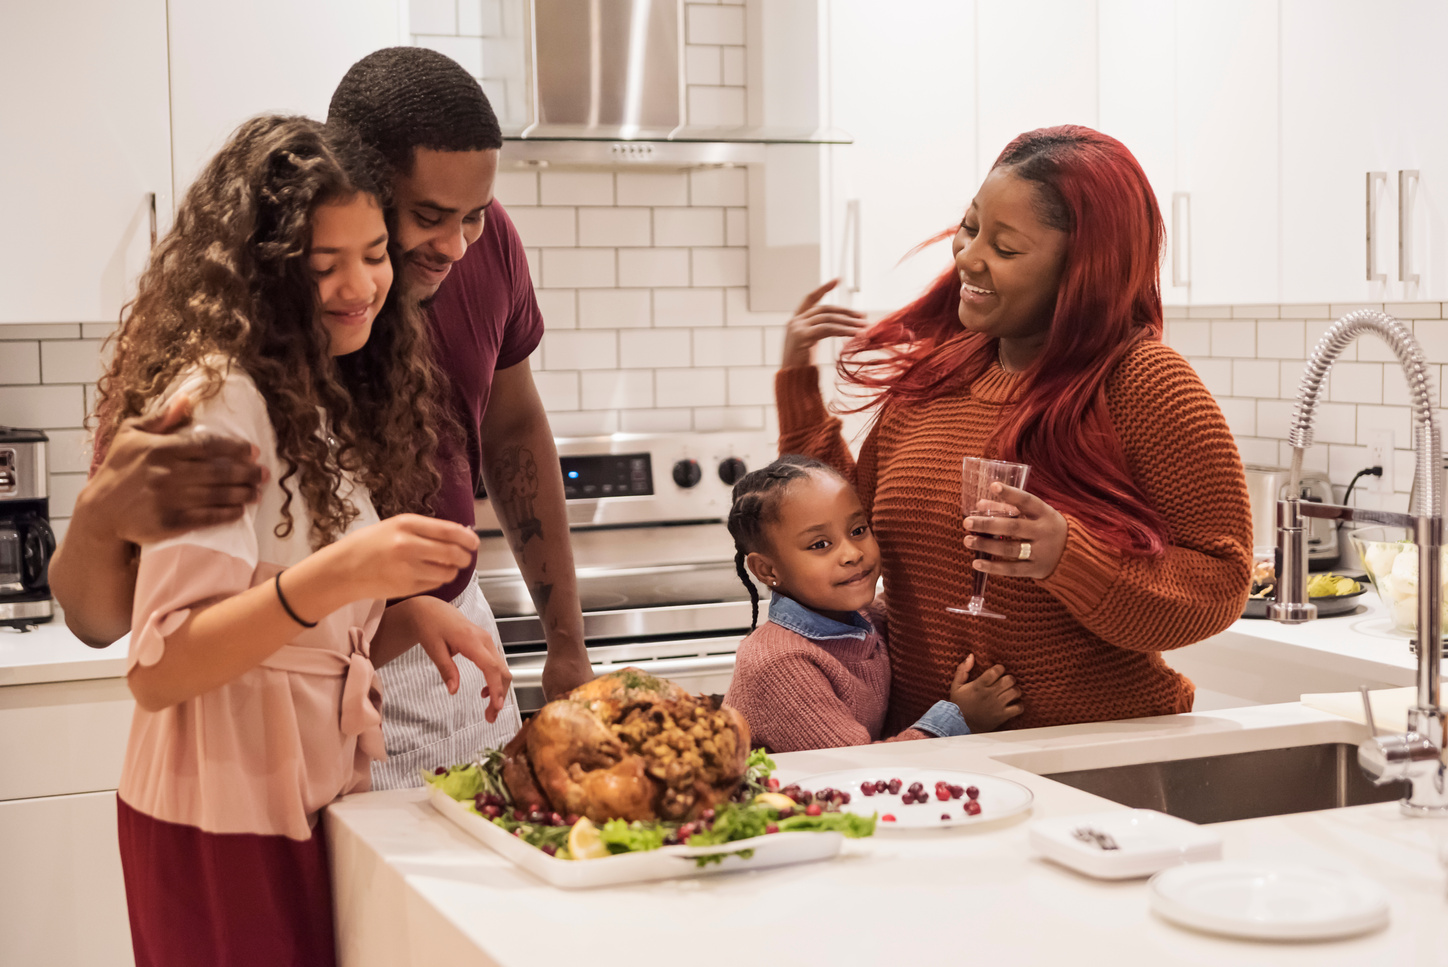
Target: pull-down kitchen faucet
1415	756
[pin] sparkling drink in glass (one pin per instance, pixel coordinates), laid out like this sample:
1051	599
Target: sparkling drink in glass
976	500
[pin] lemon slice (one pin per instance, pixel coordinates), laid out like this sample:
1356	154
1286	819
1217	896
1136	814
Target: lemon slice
776	799
584	842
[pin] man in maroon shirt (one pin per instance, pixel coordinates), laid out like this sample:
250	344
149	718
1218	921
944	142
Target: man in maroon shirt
462	256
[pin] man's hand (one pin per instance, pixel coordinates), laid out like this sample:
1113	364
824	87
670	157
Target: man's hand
155	483
444	632
563	672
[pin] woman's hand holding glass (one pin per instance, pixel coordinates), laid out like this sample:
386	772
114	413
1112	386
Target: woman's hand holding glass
1024	536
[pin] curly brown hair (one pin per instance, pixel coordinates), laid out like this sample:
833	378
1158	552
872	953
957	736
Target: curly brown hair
231	281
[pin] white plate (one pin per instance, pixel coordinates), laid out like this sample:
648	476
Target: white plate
665	863
999	798
1147	842
1269	902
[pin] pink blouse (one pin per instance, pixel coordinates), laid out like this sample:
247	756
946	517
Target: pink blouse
266	751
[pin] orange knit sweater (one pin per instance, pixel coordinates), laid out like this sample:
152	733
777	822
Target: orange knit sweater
1084	644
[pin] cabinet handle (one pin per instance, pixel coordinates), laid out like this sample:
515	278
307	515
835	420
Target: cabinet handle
850	247
151	201
1405	226
1181	215
1374	177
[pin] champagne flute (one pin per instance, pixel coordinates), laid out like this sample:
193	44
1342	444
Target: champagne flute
976	476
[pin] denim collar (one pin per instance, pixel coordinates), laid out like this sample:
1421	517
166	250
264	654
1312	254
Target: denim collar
793	616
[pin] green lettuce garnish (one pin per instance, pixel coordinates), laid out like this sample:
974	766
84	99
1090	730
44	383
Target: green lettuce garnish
461	782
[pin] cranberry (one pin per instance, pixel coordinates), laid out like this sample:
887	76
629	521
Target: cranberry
917	787
440	771
945	816
844	799
887	818
537	817
519	815
554	819
805	796
956	792
571	819
707	815
771	828
972	807
685	831
479	801
868	789
813	809
786	813
491	811
550	849
894	786
772	784
881	785
971	792
942	793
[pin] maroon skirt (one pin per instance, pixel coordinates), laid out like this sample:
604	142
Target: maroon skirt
224	899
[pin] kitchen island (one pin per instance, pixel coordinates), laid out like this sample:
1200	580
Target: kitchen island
413	889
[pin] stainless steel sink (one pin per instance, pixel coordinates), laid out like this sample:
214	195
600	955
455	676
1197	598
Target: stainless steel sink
1244	785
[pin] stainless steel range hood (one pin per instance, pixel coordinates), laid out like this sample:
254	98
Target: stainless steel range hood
607	86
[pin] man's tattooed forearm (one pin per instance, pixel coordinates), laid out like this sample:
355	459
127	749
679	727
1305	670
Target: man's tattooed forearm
517	477
541	593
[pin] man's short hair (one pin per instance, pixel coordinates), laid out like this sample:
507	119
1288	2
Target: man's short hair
399	99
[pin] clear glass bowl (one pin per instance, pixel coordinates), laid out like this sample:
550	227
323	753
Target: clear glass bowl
1391	563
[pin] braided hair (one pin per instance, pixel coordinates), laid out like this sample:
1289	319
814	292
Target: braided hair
756	505
399	99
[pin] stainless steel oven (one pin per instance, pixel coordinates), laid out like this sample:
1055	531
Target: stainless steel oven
654	560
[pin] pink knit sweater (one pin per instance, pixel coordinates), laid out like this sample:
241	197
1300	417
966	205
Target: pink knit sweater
798	694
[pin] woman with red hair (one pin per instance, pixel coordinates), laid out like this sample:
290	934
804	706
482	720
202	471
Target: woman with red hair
1041	345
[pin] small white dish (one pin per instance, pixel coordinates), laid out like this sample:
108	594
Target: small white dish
1147	842
998	797
1269	902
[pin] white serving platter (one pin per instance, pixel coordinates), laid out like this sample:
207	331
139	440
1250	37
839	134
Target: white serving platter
665	863
1269	902
1147	842
999	797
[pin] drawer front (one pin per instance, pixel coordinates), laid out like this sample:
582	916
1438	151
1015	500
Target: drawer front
60	738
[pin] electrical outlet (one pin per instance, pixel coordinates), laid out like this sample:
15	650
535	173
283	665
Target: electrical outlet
1380	454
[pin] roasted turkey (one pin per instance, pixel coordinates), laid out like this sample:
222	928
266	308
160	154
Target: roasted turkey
629	746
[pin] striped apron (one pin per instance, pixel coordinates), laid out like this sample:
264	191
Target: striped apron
422	725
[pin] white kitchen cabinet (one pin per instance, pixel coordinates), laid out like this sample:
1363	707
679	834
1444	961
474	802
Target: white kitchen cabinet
87	152
1361	92
911	171
232	61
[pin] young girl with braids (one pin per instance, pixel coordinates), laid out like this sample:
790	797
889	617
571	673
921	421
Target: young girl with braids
266	311
816	674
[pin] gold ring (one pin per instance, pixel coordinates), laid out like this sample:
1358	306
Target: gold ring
1025	551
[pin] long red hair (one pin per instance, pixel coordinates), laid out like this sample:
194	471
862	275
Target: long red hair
1091	187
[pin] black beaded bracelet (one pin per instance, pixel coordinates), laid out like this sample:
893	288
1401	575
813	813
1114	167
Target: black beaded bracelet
288	608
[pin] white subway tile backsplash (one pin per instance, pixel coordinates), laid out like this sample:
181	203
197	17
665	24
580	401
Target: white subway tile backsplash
689	307
467	51
1281	339
653	188
734	66
721	266
480	18
711	24
679	420
721	106
433	16
1335	423
1355	383
516	188
50	330
97	330
42	407
631	389
614	309
559	308
1432	335
1397	420
736	226
535	265
1241	415
1254	377
614	227
1314	459
1274	418
547	227
64	489
719	186
580	349
708	418
1315	330
1216	374
751	385
703	64
1234	338
1371	349
1414	310
1313	310
654	267
1190	337
71	361
591	423
1339	309
19	362
69	451
729	347
581	268
1255	450
654	349
575	187
558	390
690	387
738	313
1209	312
688	226
1254	312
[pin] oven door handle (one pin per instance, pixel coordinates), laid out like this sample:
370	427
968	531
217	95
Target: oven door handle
658	667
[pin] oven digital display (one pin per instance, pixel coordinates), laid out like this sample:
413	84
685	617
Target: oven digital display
607	475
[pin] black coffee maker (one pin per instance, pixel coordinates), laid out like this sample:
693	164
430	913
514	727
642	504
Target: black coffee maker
26	541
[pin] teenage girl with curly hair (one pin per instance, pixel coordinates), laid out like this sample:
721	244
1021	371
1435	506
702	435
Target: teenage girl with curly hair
1041	345
268	312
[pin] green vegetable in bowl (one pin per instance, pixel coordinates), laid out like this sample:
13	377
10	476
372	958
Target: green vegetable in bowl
1331	586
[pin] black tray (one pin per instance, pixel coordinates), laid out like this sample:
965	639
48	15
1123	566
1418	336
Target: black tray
1327	606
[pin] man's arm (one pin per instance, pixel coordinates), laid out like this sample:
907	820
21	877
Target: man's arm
525	485
151	485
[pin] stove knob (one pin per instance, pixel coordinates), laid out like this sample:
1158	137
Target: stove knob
731	469
687	473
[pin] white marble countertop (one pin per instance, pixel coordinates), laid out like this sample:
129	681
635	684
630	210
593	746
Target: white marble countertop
412	889
50	653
